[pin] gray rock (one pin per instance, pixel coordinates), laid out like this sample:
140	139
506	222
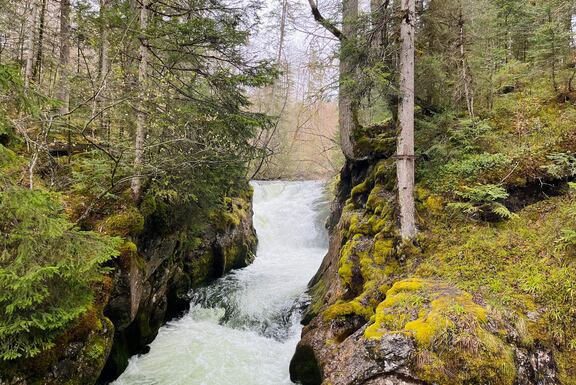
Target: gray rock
536	367
393	351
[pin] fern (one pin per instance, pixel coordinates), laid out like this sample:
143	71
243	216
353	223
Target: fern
483	199
563	165
502	211
567	242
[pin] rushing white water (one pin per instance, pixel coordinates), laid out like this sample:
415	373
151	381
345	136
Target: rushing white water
243	328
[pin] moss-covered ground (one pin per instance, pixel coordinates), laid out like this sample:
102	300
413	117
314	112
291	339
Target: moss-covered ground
492	269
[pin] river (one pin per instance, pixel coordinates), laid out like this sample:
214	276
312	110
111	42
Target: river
243	328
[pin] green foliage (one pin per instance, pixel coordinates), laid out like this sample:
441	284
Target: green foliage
94	175
450	331
516	266
47	267
567	241
483	199
563	165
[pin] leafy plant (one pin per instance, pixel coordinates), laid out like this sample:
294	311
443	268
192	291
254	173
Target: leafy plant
567	241
483	200
563	165
47	267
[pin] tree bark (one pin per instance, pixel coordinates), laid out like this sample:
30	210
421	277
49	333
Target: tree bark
37	72
283	16
31	28
405	145
103	67
347	107
465	73
140	113
346	104
64	62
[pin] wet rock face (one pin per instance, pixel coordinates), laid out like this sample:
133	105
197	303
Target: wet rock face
150	286
355	361
392	351
153	288
77	361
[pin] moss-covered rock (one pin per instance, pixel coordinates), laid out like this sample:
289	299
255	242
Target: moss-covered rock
172	257
127	222
76	359
455	343
480	302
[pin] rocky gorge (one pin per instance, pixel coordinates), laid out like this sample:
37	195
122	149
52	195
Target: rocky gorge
162	258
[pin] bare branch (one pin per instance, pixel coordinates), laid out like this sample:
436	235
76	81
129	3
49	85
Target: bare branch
330	27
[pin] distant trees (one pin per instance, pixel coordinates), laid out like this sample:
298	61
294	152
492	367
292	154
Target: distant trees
131	81
302	141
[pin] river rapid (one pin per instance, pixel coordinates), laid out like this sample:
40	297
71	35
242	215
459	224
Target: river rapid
243	328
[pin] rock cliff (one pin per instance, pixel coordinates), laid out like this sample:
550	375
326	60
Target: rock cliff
439	310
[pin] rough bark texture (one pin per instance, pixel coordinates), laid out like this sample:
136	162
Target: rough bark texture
405	150
37	73
64	64
29	49
103	66
346	108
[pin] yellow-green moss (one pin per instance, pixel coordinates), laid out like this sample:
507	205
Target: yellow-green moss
354	307
361	188
566	366
450	330
515	266
232	213
124	223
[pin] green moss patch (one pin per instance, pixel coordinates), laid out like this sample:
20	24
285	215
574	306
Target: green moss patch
451	331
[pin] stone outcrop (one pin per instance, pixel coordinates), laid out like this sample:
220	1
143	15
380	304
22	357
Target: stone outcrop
372	322
154	286
148	286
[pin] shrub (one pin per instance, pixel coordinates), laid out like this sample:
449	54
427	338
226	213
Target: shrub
47	267
563	165
483	199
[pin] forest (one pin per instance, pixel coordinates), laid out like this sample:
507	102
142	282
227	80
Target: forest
168	162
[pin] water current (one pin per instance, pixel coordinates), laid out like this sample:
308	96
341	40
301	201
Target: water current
243	328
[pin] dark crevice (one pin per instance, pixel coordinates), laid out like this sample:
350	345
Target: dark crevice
304	367
535	191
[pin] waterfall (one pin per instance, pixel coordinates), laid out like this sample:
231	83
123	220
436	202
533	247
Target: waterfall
243	328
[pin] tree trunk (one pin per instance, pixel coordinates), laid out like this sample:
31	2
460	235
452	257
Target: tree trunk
140	113
464	71
64	62
346	104
283	17
31	29
103	67
405	146
37	72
